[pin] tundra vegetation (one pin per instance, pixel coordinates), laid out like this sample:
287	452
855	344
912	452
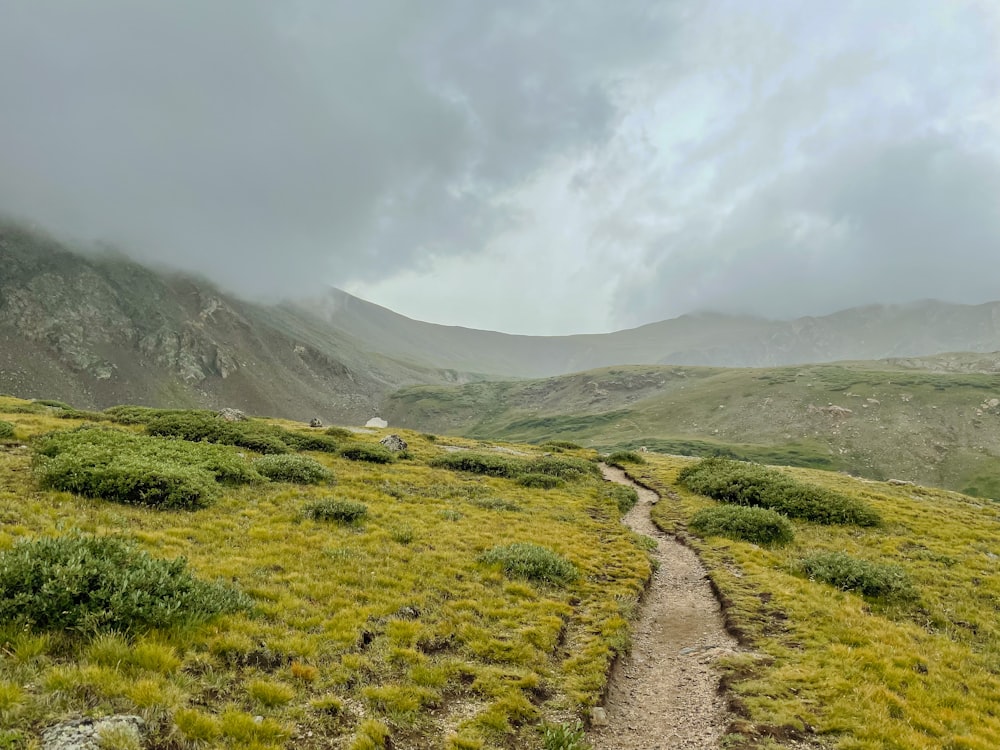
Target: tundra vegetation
856	636
410	604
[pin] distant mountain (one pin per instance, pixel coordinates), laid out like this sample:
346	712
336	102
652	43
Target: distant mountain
862	333
97	331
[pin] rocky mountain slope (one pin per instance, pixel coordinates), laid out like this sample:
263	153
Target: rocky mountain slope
97	331
863	333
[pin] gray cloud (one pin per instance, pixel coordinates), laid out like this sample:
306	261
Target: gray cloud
273	145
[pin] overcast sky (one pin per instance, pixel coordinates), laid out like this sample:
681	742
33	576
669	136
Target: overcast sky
526	166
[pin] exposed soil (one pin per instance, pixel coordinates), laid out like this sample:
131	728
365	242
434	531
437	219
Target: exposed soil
665	693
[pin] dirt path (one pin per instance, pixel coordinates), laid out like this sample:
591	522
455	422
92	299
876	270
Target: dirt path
665	693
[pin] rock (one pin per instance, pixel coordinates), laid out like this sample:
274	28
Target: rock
598	717
232	415
393	443
87	734
315	422
901	482
376	422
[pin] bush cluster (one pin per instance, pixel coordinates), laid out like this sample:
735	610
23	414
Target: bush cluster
512	467
332	509
531	561
375	454
211	428
293	469
561	445
622	458
137	469
755	485
874	580
91	584
540	481
758	525
624	497
6	430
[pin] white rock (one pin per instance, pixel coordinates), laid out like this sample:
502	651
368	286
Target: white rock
376	422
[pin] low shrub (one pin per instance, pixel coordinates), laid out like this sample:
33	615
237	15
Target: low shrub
305	441
540	481
624	497
565	737
531	561
488	464
622	458
339	432
92	584
564	467
375	454
131	414
873	580
6	430
757	525
332	509
136	469
755	485
293	469
201	426
53	404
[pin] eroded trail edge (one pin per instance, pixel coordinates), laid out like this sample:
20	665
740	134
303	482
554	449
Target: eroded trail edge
664	694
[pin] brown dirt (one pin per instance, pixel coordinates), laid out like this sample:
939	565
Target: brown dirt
665	693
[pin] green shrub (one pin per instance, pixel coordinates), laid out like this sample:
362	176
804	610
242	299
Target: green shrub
90	584
305	441
130	414
564	467
6	430
375	454
531	561
874	580
758	525
624	497
622	458
294	469
339	432
488	464
755	485
540	481
332	509
137	469
201	426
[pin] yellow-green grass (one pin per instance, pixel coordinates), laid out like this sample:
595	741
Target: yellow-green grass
390	627
862	674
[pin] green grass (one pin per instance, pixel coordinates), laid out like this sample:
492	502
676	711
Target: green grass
334	509
386	632
881	638
532	562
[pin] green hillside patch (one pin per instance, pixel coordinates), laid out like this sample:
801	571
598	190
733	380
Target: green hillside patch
876	638
374	630
134	469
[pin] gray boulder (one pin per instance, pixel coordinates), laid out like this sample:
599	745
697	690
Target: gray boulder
92	734
232	415
393	442
315	422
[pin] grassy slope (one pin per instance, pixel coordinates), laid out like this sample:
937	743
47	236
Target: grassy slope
862	675
390	625
932	427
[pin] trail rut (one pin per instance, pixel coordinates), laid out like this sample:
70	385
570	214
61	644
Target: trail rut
664	694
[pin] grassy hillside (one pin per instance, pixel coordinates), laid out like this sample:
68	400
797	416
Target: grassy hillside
875	419
867	663
389	600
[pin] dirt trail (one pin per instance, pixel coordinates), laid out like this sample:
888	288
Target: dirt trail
664	694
